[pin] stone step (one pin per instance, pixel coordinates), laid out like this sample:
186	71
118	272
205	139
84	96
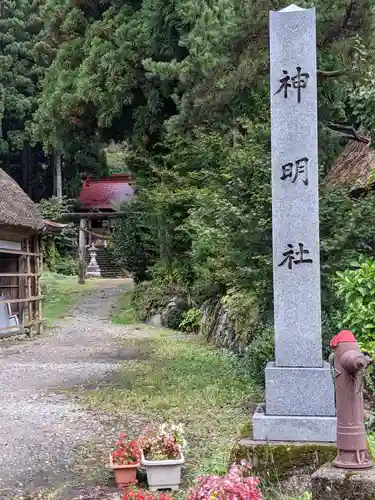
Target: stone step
108	267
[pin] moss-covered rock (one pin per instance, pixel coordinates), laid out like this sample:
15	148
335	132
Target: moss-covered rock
330	483
276	461
172	315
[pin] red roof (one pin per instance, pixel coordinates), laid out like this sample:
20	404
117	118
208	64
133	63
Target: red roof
101	193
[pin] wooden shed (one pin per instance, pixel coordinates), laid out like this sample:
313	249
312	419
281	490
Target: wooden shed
20	260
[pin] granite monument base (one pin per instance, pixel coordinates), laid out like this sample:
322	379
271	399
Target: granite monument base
303	392
330	483
293	428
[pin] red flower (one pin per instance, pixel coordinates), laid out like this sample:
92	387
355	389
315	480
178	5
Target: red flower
126	452
140	494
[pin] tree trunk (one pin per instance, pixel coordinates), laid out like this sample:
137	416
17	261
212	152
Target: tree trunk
57	176
82	252
26	159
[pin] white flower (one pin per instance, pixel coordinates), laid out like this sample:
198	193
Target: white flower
174	430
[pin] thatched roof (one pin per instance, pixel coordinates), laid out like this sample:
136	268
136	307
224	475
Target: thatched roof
16	208
53	227
355	167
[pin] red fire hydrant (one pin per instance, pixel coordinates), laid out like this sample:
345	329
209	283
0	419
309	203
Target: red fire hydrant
349	364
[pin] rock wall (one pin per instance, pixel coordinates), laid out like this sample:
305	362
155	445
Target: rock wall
170	316
216	327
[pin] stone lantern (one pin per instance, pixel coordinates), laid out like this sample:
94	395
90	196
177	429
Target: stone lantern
93	269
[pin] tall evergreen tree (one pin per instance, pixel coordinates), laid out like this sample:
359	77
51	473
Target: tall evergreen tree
22	63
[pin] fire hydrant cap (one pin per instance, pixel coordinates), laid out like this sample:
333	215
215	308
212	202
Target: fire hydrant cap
343	336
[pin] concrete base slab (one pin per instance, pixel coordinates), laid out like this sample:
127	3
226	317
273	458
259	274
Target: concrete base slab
290	428
304	392
330	483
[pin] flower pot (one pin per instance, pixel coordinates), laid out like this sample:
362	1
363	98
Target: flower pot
124	474
163	474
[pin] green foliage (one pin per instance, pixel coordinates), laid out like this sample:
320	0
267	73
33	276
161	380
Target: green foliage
125	69
191	320
20	25
346	229
369	389
52	208
149	298
183	86
244	313
330	326
51	254
221	225
371	444
306	496
22	62
67	267
60	249
260	351
356	287
131	240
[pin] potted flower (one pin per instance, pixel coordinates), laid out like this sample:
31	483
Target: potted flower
237	484
124	459
162	456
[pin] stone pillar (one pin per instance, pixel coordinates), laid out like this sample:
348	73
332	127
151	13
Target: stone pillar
299	388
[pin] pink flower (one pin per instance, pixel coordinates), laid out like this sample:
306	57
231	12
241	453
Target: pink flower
237	484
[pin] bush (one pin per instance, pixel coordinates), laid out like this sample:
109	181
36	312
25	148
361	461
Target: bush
67	267
130	238
191	320
147	299
244	313
369	385
356	287
64	244
260	351
347	229
330	328
150	298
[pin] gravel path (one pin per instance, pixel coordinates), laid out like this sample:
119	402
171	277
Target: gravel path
40	427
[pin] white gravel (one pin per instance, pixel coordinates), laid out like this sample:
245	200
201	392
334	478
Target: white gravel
40	428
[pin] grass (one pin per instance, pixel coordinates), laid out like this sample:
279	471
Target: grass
61	293
181	378
124	313
371	443
185	380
